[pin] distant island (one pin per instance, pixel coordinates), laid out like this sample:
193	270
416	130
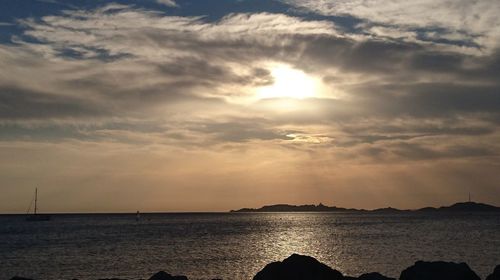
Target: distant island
457	207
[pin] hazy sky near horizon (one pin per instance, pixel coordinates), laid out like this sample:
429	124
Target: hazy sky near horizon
195	105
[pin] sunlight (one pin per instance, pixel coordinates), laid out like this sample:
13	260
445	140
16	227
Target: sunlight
289	83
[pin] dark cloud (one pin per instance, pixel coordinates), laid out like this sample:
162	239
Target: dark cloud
19	103
430	99
436	62
197	70
414	151
241	131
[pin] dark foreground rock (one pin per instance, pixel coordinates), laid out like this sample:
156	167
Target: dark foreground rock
162	275
374	276
495	275
298	267
369	276
438	271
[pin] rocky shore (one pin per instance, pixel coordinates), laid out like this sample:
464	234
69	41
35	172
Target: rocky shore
299	267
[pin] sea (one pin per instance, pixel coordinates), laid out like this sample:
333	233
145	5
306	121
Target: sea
238	245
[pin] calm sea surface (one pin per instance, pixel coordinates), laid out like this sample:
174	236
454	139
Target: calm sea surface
236	246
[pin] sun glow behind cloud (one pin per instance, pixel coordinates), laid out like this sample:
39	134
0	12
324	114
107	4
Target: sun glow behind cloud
289	83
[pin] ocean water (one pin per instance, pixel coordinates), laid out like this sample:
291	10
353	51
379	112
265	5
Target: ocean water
238	245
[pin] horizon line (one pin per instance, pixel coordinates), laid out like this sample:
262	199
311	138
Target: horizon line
133	212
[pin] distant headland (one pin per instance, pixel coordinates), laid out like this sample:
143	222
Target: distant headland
457	207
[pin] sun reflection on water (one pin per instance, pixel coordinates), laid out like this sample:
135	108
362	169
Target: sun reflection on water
301	234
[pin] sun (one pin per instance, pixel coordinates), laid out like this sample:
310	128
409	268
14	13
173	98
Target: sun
289	83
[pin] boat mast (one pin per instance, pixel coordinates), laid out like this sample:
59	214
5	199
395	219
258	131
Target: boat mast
36	196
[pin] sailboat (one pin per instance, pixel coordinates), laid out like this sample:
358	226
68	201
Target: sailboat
35	217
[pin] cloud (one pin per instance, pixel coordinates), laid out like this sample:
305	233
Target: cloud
241	131
24	103
426	20
168	3
120	29
177	94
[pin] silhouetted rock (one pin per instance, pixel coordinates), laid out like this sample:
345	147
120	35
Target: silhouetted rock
295	208
388	210
162	275
438	271
457	207
374	276
298	267
495	275
469	207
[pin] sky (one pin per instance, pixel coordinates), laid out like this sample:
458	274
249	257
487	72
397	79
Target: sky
196	105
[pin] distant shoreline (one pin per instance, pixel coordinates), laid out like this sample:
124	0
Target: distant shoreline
457	207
